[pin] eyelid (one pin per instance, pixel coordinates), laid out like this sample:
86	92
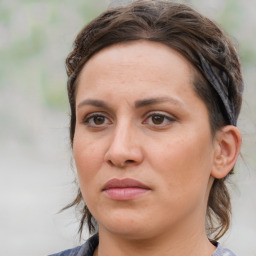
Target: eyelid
89	116
161	113
169	117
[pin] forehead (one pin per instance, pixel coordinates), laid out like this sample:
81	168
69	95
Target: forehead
137	61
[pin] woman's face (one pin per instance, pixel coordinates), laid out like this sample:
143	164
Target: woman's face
142	145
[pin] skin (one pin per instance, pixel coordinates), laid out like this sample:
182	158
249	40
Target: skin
165	143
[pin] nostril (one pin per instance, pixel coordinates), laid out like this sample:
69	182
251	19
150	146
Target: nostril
129	161
120	164
110	162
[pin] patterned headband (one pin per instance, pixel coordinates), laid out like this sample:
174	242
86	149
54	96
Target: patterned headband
221	84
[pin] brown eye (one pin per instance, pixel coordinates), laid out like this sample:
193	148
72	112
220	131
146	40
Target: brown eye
157	119
98	120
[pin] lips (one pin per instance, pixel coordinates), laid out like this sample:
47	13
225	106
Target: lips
124	189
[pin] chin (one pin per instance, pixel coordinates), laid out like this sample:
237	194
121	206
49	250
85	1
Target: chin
125	225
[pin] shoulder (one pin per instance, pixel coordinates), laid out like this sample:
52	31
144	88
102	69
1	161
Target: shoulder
87	249
220	251
69	252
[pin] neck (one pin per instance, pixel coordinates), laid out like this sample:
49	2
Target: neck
194	244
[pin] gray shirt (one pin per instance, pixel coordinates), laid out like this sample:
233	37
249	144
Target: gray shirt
88	248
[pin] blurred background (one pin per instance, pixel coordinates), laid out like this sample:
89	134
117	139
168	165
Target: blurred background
36	179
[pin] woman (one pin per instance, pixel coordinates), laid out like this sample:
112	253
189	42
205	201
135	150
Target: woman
155	92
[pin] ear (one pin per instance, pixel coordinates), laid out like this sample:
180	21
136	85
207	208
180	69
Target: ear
227	148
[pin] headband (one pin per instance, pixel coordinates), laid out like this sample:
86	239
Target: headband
221	84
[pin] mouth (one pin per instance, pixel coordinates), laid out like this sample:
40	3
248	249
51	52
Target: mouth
124	189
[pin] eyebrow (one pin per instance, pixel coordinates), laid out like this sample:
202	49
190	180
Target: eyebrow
138	103
152	101
96	103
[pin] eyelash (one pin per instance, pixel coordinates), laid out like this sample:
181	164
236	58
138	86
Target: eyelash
91	117
166	118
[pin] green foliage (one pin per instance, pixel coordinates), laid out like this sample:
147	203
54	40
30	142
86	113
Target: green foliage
5	15
26	47
247	53
36	38
232	16
53	91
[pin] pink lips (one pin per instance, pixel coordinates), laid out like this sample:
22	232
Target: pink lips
124	189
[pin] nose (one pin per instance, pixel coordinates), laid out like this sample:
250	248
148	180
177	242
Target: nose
125	147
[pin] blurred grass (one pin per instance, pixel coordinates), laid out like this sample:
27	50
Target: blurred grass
36	36
233	18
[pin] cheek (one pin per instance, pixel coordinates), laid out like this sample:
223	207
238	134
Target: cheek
184	163
88	158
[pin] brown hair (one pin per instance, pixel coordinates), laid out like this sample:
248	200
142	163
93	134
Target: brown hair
192	35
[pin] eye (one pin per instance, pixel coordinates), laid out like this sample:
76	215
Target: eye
96	120
158	119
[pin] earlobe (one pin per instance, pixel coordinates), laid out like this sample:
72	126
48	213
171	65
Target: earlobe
227	148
